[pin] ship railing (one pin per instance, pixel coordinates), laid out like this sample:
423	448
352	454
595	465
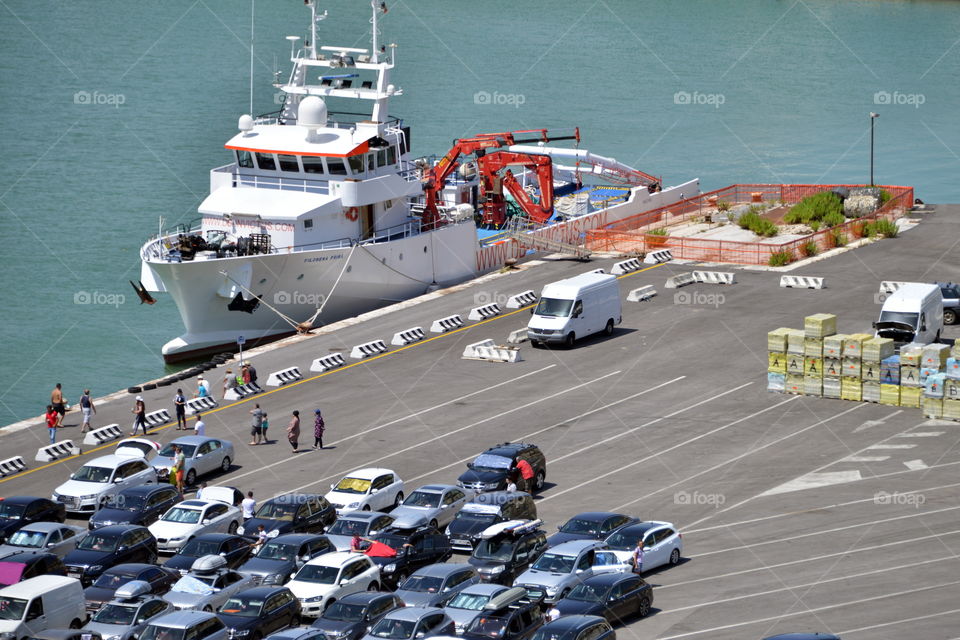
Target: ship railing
282	184
335	119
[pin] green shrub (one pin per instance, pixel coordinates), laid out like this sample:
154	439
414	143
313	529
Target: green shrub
723	205
814	225
839	238
748	220
885	228
884	197
780	258
764	228
809	249
814	207
659	239
833	219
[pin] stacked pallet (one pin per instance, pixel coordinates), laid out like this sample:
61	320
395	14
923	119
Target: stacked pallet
875	351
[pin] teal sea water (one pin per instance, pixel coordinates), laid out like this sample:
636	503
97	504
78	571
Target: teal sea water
112	112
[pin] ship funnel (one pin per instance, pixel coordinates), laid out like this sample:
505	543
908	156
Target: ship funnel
312	114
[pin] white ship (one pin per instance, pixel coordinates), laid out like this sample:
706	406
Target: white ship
322	215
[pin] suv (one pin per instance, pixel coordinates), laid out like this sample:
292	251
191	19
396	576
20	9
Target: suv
282	556
17	511
137	505
491	469
512	615
427	546
357	523
106	547
291	513
485	510
561	568
349	618
127	615
507	549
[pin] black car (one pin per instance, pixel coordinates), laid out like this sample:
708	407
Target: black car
427	546
503	557
282	556
511	615
590	525
349	618
291	513
485	510
103	589
141	505
257	612
17	511
615	596
491	470
104	548
235	549
23	566
576	628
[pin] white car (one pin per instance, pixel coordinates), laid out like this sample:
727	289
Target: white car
329	577
94	483
138	447
367	490
662	543
188	519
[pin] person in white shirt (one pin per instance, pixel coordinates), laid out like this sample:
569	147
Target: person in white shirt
248	506
200	491
200	428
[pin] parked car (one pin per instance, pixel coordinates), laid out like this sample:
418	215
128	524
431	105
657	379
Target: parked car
136	505
208	585
297	633
662	544
284	555
233	548
415	548
42	537
181	625
366	490
138	447
803	636
90	486
291	513
590	525
128	614
485	510
38	604
507	549
559	569
435	584
467	605
410	623
259	611
576	628
104	588
98	550
436	503
349	618
192	518
330	577
17	511
951	301
202	455
23	566
511	615
618	597
490	471
66	634
361	523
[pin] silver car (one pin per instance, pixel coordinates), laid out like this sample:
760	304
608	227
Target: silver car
434	503
559	569
126	616
201	455
435	584
365	524
411	623
42	537
467	605
184	625
208	585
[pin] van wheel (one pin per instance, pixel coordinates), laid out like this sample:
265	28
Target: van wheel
949	316
75	624
608	330
571	338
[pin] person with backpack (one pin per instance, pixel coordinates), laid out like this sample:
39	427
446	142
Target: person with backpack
86	408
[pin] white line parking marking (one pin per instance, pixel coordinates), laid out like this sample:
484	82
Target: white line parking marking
890	446
814	480
915	465
865	459
890	624
921	434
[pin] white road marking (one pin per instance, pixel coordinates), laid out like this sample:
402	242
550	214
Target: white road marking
873	423
808	610
901	621
920	434
915	465
876	447
865	459
814	480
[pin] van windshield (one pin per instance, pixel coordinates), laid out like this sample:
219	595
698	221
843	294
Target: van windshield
900	317
553	307
12	608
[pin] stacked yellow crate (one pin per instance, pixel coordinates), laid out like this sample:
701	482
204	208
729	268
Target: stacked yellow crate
832	365
815	329
851	382
951	385
874	351
794	378
911	390
776	359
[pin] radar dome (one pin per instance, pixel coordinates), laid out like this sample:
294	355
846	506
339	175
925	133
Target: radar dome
246	123
312	112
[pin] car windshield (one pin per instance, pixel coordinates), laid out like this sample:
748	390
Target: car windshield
199	548
12	608
580	527
470	601
140	446
344	612
129	503
98	542
243	607
485	626
428	584
188	449
393	629
115	614
425	499
553	307
394	542
901	317
488	462
277	551
23	538
555	563
197	585
179	514
89	473
496	549
277	511
112	580
317	573
162	633
588	593
12	511
625	540
468	518
345	527
353	485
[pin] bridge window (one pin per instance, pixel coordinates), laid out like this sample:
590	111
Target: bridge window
289	163
265	161
336	167
382	157
371	162
308	223
356	164
244	159
391	155
313	164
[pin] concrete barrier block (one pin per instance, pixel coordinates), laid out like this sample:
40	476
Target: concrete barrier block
243	391
658	256
626	266
680	280
11	466
326	363
284	376
715	277
447	324
889	286
521	299
194	406
57	451
408	336
103	434
368	349
157	418
642	293
518	336
484	311
803	282
470	351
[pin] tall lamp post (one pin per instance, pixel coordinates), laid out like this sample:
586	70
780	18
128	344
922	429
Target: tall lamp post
873	117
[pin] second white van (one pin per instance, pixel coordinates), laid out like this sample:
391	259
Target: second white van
41	603
912	313
575	308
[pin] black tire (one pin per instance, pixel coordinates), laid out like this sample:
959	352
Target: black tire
208	609
365	507
434	524
150	386
232	529
536	344
225	465
166	382
329	603
949	316
675	557
134	389
644	609
538	480
563	594
398	499
295	621
190	478
75	624
608	330
400	577
570	339
257	636
373	586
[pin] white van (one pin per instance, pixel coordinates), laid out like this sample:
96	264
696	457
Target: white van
574	308
41	603
912	313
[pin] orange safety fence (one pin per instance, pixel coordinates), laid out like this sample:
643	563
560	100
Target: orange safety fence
632	235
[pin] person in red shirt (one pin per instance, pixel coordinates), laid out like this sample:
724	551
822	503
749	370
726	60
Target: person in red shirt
526	472
52	418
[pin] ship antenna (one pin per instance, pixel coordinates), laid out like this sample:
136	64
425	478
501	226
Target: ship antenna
378	7
313	29
253	4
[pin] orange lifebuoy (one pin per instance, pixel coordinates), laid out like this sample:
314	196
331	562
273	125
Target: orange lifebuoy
352	213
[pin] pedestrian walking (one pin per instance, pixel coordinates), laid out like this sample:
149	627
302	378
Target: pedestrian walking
199	495
139	412
526	472
263	428
203	387
248	507
245	373
637	558
256	425
180	405
229	382
86	408
58	403
293	431
252	371
318	428
52	418
199	427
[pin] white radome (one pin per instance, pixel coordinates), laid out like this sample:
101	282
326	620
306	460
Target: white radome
312	112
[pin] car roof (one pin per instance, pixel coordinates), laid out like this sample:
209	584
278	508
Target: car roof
181	619
293	633
643	527
296	538
411	613
216	537
29	588
366	597
572	622
497	497
362	515
368	473
598	515
436	487
132	567
117	529
442	569
608	579
281	499
22	499
335	558
259	592
507	449
145	489
46	527
197	504
485	589
574	547
111	461
193	440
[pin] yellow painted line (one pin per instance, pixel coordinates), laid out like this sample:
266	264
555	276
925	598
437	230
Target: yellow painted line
305	380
